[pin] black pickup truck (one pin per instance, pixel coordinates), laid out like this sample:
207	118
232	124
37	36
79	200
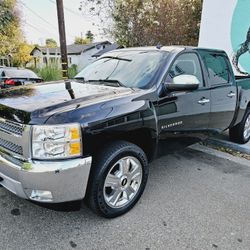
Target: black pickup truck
92	137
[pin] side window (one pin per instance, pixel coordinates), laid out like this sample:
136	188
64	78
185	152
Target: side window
186	64
218	71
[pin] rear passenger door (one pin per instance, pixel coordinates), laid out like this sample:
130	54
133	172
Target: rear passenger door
223	90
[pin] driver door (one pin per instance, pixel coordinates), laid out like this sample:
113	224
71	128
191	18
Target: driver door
184	111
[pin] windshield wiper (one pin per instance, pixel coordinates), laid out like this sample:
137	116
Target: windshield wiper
80	79
111	82
118	58
107	81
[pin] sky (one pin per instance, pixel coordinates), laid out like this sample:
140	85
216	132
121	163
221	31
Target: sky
39	21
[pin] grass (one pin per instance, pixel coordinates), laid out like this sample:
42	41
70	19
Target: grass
54	73
50	73
72	71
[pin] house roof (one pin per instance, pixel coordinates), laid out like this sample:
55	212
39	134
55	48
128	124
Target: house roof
107	49
73	49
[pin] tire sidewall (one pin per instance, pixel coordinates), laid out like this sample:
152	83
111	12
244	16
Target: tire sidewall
104	208
243	126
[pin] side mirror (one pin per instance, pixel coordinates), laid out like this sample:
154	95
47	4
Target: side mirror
183	82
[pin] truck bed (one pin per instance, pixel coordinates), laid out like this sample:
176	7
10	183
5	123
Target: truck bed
243	81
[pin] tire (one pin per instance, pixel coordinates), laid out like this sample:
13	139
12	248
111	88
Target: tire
109	191
241	133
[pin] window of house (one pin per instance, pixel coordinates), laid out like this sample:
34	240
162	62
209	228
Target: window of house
52	60
45	60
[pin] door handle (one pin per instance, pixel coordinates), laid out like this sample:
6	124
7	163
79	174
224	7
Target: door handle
231	94
203	101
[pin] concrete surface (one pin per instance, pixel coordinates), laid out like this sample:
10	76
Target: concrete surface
223	141
196	199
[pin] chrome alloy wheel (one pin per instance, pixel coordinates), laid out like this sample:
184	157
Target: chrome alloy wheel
123	182
247	128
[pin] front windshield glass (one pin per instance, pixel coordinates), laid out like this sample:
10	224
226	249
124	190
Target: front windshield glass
134	69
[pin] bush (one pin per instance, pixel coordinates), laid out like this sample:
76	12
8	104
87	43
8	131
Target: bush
50	73
72	71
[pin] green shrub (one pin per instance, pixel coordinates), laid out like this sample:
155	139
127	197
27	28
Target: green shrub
72	71
50	73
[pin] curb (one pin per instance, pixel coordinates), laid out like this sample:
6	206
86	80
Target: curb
220	154
227	144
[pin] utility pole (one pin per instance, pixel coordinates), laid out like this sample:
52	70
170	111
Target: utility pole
62	36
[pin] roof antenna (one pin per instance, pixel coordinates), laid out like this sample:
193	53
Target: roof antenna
159	46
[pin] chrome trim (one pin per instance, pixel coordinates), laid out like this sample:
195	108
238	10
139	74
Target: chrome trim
67	180
246	132
22	140
13	186
123	182
231	95
203	101
11	127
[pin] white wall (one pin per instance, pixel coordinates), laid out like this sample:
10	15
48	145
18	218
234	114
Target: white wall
82	60
216	24
224	25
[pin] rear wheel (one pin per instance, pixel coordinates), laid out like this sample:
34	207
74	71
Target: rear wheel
241	132
118	179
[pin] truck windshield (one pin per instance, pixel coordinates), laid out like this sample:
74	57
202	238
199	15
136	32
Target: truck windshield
132	69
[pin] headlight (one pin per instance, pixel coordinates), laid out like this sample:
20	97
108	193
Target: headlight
56	141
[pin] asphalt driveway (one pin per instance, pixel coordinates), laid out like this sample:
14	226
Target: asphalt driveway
193	200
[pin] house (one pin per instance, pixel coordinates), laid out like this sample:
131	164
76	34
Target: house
78	54
107	49
5	60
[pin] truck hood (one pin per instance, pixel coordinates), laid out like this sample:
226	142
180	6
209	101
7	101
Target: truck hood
43	100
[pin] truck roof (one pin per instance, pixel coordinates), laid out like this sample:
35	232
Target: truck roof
176	48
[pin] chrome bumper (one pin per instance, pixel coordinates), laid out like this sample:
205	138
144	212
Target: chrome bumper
43	181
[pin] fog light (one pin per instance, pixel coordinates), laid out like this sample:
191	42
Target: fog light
41	195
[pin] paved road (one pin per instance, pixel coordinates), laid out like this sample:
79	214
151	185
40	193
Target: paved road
193	200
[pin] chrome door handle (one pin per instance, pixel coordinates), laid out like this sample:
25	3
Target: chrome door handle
231	94
203	101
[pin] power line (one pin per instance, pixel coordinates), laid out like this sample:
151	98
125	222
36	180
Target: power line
72	11
38	15
68	9
36	28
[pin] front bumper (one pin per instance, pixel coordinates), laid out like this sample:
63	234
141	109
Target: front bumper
45	181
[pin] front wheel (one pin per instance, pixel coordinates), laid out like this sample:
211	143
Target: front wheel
118	179
241	132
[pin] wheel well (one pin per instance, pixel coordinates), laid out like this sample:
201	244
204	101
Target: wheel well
142	138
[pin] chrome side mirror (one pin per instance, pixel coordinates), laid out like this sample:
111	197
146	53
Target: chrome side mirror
183	82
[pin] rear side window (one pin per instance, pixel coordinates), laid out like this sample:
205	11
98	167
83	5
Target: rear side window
186	64
218	70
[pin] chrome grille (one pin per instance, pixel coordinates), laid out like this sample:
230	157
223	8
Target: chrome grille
10	127
11	146
12	137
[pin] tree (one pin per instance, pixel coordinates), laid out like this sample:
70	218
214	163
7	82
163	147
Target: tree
12	42
10	33
90	36
22	55
80	40
148	22
51	43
